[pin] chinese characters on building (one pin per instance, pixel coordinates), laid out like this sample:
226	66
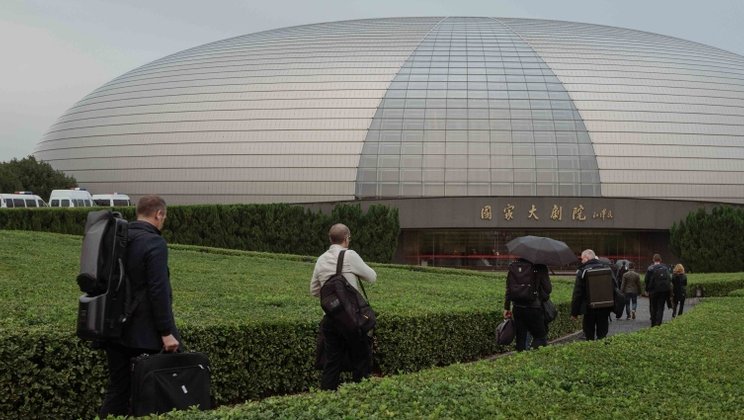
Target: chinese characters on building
555	213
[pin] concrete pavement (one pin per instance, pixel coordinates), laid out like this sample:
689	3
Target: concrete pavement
622	325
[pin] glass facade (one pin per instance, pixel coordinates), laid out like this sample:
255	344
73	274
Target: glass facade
475	111
416	107
485	249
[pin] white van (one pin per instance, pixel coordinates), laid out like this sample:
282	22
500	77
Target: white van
75	197
112	200
21	199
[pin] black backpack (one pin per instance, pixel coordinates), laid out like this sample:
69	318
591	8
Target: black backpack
661	279
343	303
521	282
104	307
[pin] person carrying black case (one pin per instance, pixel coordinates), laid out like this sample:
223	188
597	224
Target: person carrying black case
151	327
593	296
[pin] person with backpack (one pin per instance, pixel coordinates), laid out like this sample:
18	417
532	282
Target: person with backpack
679	290
596	321
527	286
658	283
631	288
151	326
340	344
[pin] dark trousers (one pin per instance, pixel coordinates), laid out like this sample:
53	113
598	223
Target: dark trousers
678	303
656	303
116	401
357	349
530	320
596	323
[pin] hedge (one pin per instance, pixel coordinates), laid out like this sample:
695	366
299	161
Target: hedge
278	228
250	312
665	372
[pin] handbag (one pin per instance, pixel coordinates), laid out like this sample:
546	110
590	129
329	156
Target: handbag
549	310
619	300
505	332
165	381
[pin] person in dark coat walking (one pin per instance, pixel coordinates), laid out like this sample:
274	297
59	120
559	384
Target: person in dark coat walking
679	283
660	293
631	288
529	318
596	322
151	326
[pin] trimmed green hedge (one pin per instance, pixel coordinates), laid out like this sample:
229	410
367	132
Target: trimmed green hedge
250	312
664	372
279	228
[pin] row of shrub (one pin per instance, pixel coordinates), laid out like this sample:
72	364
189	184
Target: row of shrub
252	316
51	374
281	228
664	372
250	312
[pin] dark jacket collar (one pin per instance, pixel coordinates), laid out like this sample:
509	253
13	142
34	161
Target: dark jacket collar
144	226
594	262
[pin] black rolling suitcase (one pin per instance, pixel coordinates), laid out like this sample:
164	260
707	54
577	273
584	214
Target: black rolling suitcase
166	381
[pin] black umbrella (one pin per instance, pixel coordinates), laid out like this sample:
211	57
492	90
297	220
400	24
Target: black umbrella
541	250
620	263
606	261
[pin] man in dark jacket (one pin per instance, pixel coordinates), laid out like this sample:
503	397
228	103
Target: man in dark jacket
151	326
659	292
528	315
631	288
596	322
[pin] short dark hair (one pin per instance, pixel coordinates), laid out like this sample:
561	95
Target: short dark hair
149	205
657	258
338	233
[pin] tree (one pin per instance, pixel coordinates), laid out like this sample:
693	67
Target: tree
9	182
710	242
28	174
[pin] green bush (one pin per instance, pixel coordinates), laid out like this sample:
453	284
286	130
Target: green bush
737	293
280	228
664	372
250	312
710	242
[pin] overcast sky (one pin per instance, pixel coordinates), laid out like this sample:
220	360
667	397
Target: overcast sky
54	52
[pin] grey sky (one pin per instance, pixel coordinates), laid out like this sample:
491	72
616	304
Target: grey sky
56	52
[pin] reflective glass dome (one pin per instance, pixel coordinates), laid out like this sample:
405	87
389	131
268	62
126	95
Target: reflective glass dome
416	107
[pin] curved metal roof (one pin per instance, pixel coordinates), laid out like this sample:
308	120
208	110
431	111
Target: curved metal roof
416	107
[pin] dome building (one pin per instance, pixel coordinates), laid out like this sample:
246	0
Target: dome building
477	129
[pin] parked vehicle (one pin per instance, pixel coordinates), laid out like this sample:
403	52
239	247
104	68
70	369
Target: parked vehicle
21	199
76	197
112	200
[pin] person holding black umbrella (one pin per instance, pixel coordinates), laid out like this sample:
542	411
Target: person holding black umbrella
527	286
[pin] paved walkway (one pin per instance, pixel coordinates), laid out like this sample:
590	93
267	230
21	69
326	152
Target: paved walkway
622	325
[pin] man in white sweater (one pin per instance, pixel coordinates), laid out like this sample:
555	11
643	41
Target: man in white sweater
339	346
